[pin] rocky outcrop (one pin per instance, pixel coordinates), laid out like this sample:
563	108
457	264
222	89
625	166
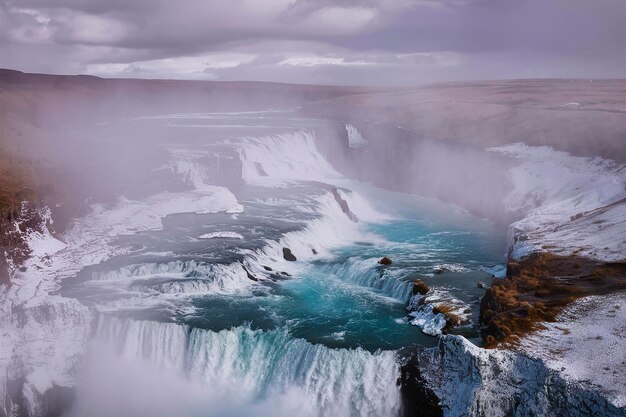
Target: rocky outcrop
288	255
418	399
470	381
343	204
43	334
44	337
452	319
55	402
15	227
435	312
248	274
420	287
385	261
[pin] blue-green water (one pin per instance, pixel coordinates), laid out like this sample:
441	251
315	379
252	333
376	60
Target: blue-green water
350	300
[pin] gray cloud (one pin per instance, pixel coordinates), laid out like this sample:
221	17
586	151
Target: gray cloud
317	41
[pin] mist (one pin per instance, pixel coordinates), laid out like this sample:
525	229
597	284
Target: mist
316	208
127	387
84	135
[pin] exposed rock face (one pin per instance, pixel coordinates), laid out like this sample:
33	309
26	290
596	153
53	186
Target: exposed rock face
55	402
248	274
537	288
54	331
452	319
418	400
43	335
385	261
470	381
343	204
14	230
420	287
288	255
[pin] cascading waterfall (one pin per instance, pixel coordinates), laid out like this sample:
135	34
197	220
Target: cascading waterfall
177	277
331	228
355	139
255	366
284	157
367	273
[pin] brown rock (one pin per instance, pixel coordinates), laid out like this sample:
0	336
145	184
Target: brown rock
451	318
420	287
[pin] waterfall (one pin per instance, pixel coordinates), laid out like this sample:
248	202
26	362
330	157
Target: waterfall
253	367
284	157
355	139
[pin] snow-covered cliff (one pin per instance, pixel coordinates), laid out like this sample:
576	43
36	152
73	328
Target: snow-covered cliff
470	381
43	336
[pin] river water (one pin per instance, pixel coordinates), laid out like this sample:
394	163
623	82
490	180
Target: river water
199	313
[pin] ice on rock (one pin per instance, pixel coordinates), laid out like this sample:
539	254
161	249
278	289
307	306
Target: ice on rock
430	323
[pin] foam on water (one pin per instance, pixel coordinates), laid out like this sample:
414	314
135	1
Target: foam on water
178	277
368	273
331	229
222	235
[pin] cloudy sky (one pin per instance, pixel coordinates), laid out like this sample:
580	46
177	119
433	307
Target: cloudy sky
370	42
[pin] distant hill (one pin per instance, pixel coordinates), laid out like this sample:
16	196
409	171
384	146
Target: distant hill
583	117
39	114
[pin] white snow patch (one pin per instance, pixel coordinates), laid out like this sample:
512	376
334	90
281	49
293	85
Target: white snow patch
570	204
42	244
421	310
430	323
587	344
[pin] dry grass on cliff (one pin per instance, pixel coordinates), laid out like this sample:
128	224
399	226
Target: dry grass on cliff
452	319
538	288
